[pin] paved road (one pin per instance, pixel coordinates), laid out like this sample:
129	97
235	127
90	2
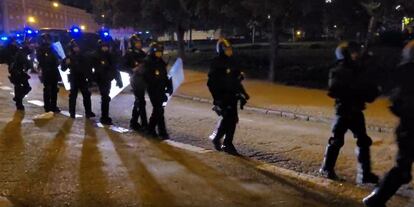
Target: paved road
65	162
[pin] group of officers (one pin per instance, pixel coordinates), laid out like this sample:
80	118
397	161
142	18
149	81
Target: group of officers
350	85
148	73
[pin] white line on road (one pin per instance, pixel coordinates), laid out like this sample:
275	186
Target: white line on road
187	147
66	113
6	88
246	120
113	128
36	103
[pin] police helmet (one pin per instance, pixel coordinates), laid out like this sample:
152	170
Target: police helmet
72	44
222	45
408	53
345	49
156	47
46	38
134	38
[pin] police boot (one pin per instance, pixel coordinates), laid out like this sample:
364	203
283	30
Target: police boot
364	173
133	124
217	135
53	102
162	129
88	108
331	155
106	121
386	189
19	104
228	146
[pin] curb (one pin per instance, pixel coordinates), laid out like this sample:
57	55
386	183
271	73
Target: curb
350	193
289	115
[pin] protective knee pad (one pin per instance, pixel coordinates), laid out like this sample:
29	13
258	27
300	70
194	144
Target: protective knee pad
337	142
364	141
106	99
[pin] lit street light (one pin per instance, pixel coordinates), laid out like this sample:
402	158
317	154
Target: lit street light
31	19
83	27
55	4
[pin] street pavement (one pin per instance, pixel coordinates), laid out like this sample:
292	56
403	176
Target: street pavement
64	162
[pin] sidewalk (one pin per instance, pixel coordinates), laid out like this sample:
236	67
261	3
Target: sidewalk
303	101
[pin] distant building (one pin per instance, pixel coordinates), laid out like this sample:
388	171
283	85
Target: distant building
38	14
195	35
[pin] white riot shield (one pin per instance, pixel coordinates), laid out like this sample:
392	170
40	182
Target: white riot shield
115	90
57	46
177	76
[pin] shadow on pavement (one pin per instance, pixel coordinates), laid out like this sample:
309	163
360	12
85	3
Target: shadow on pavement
26	192
147	187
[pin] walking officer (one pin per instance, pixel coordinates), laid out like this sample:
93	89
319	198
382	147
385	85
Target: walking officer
350	86
134	59
155	75
225	85
79	78
48	63
105	71
403	107
18	67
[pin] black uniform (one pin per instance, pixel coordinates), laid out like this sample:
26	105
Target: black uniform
79	78
49	62
403	107
155	75
350	86
224	83
134	60
18	66
105	71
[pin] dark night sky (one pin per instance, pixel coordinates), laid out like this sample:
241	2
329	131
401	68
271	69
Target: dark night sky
83	4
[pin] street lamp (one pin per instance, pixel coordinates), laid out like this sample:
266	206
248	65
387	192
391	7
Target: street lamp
31	19
83	27
55	4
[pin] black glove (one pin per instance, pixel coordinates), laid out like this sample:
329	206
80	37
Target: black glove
119	83
243	100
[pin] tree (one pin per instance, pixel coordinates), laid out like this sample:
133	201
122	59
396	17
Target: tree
278	15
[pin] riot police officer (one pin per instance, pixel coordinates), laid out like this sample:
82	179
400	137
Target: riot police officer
49	63
18	67
350	86
105	71
79	78
134	59
155	75
225	85
403	107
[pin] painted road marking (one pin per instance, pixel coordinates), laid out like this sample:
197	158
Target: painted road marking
246	120
66	113
6	88
187	147
36	103
120	130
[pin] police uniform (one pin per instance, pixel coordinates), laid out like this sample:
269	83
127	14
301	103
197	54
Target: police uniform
134	59
105	71
349	85
79	78
403	107
18	66
158	84
49	62
224	83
